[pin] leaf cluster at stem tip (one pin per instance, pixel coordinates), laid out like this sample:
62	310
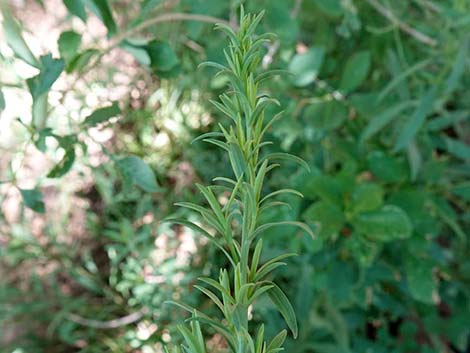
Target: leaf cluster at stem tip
237	223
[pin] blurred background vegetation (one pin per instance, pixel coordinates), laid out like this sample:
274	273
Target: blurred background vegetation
100	100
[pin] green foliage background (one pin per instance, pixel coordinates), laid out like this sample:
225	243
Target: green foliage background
378	105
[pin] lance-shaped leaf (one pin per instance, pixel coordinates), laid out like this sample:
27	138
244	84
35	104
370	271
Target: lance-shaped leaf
14	38
102	114
285	308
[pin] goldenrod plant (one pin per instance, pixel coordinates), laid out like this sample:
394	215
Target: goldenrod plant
236	223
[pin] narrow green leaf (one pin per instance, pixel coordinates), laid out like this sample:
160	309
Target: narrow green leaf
102	9
61	168
285	308
458	67
266	226
14	38
416	121
287	157
379	121
102	114
2	101
76	8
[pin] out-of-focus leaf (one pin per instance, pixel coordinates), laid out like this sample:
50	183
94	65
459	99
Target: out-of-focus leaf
32	199
387	224
163	59
457	148
414	123
328	216
69	42
462	190
148	5
39	113
330	7
50	72
79	61
137	48
102	9
284	306
306	66
355	71
447	119
278	20
138	172
379	121
61	168
420	279
2	101
458	67
76	8
102	114
387	168
326	115
15	40
367	197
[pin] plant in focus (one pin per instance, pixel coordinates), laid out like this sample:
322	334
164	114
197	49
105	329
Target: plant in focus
237	222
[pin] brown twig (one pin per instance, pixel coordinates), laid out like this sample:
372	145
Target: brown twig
111	324
421	37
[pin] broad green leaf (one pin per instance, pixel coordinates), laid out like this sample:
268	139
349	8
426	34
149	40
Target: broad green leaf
102	114
419	275
76	8
326	115
387	168
162	56
102	9
415	202
32	199
355	71
332	8
415	121
306	66
14	39
138	172
325	187
69	42
279	20
367	197
137	48
387	224
50	71
379	121
285	308
328	216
